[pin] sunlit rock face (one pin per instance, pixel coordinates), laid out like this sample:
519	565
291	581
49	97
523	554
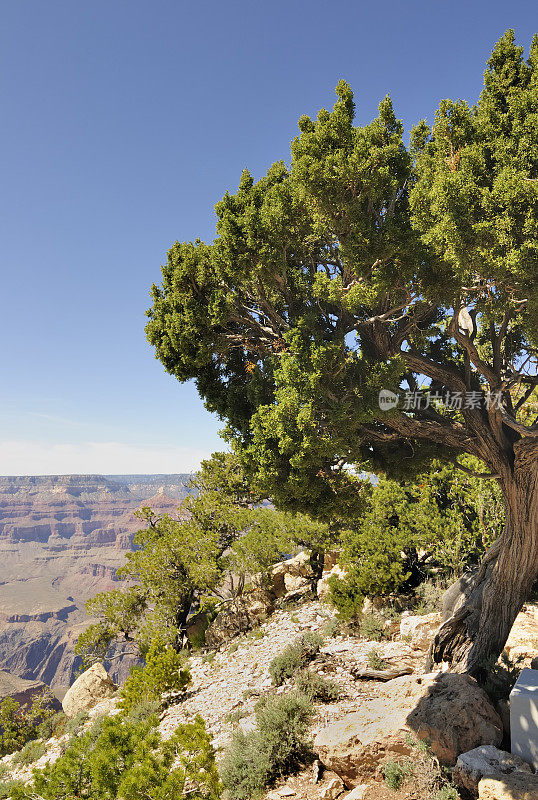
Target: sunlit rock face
62	538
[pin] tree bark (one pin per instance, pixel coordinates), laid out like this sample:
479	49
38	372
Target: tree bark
476	633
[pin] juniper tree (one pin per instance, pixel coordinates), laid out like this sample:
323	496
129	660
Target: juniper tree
366	266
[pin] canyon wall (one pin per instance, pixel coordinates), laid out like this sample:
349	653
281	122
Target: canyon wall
62	538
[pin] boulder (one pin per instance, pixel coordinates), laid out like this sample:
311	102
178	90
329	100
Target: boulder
455	715
420	630
323	583
485	762
517	786
334	789
239	616
450	711
89	689
292	583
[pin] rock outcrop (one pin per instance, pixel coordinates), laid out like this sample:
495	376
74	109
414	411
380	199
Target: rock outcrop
239	616
485	762
20	690
449	711
90	688
518	786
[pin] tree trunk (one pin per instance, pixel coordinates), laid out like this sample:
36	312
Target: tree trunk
476	633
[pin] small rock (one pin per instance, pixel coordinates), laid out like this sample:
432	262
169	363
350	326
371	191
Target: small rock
485	761
286	791
420	629
316	770
357	793
517	786
334	789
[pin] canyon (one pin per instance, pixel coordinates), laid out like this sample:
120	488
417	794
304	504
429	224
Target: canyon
62	538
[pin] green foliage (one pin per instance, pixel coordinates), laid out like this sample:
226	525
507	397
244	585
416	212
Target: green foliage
438	524
14	726
372	627
396	772
295	656
52	726
316	687
447	792
119	758
74	725
11	789
375	661
428	597
18	725
276	746
163	677
31	752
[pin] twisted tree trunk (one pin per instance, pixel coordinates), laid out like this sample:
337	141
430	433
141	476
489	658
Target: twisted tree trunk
477	631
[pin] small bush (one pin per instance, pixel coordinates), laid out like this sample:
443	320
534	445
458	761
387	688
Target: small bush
294	657
333	627
31	752
163	677
143	710
448	792
372	627
428	597
375	661
316	687
52	726
73	726
276	746
9	787
396	772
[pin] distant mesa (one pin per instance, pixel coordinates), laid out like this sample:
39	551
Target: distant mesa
62	539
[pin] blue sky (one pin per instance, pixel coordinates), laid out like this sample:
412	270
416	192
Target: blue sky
123	123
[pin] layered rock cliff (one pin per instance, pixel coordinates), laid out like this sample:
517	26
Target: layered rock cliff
62	538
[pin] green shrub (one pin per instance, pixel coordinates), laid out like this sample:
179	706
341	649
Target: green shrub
316	687
428	597
372	627
19	725
345	596
396	772
74	725
375	661
9	788
276	746
31	752
118	758
333	627
295	656
52	726
143	710
14	726
448	792
162	678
